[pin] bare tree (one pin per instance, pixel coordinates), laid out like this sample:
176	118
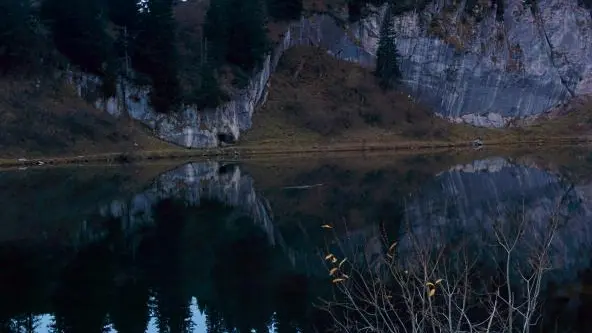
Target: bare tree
484	282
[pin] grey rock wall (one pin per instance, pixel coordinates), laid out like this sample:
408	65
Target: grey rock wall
492	71
485	73
468	199
192	183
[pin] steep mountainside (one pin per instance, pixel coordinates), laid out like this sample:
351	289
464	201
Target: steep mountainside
501	61
487	63
484	68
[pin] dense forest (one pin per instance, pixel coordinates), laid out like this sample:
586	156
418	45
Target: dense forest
181	49
189	52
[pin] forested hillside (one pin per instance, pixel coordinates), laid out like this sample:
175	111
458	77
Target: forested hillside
182	49
192	52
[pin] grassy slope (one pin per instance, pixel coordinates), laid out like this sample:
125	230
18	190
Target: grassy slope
53	121
315	103
316	99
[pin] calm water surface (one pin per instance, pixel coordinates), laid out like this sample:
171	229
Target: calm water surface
226	246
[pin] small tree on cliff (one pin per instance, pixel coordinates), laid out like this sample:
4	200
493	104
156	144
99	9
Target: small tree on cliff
387	65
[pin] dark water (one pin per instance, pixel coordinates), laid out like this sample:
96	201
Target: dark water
225	246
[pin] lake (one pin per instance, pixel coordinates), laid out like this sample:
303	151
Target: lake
302	244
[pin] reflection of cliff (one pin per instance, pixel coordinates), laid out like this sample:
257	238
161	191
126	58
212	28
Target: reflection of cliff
468	199
193	183
197	237
204	235
50	204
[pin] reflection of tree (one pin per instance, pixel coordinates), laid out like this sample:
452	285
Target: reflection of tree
26	323
292	297
21	284
241	278
166	268
130	311
211	252
214	321
83	295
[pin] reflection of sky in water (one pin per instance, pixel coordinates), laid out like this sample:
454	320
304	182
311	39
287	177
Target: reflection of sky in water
197	317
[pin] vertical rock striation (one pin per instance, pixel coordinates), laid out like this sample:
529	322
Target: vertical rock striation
192	183
484	69
469	199
488	69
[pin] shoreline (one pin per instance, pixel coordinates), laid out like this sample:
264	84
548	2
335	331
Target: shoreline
252	151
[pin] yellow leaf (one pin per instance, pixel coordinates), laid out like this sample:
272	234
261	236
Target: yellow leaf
326	226
333	260
438	281
329	256
342	261
432	292
333	270
345	276
429	284
338	280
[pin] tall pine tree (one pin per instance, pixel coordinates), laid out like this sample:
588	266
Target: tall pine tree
247	41
235	31
387	67
217	30
17	34
79	31
155	53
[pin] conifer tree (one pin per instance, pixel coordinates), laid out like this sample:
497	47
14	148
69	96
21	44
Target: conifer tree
284	9
124	13
216	31
155	53
387	67
247	35
16	33
79	32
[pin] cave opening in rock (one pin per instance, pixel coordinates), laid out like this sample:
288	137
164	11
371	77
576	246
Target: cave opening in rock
225	138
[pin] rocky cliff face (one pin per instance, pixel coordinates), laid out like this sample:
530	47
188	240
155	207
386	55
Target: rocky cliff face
192	183
469	199
485	70
490	68
463	201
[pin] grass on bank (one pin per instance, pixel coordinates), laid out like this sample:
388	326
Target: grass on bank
315	99
316	104
49	119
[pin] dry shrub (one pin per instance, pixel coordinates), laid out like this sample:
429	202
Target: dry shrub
52	120
329	96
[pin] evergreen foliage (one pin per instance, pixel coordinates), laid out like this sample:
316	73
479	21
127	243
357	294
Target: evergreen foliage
144	41
237	38
284	9
387	67
79	32
19	35
155	53
124	13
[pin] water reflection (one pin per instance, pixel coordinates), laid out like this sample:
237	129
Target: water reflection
217	247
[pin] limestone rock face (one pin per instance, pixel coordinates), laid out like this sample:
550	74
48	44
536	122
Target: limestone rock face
486	71
469	199
495	69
